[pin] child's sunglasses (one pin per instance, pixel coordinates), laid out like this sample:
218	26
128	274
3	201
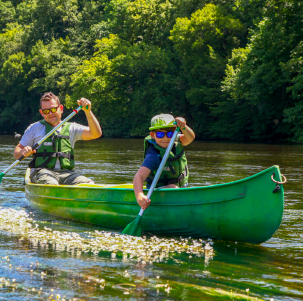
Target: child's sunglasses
53	110
162	134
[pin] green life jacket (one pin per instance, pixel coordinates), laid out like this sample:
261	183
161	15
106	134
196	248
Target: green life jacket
55	146
175	170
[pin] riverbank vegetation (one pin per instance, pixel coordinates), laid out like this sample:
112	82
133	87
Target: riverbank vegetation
233	69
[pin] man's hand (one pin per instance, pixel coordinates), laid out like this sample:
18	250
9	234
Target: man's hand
85	103
27	151
93	131
24	151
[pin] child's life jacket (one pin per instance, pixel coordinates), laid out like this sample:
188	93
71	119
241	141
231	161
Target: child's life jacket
175	170
55	146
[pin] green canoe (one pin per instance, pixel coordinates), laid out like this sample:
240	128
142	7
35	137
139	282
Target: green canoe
247	210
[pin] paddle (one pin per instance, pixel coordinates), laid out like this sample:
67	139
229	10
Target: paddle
41	141
134	227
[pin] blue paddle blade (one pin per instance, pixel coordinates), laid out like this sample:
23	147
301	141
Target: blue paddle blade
134	227
1	176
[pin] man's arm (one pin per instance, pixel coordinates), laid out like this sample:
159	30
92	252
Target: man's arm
32	134
94	129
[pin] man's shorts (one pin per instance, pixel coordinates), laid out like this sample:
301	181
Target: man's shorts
57	177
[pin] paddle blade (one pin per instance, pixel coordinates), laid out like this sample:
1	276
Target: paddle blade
1	176
134	227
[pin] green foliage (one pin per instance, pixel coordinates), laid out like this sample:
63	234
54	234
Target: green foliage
233	69
209	26
147	21
60	19
13	92
7	13
204	42
51	66
260	76
11	41
294	72
131	80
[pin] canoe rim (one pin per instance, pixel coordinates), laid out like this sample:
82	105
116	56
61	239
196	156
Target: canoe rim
114	187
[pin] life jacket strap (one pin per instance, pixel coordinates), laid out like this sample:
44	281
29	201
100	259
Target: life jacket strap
49	156
180	178
57	136
54	155
173	181
175	158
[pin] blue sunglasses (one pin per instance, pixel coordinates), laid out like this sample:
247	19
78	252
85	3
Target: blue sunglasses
162	134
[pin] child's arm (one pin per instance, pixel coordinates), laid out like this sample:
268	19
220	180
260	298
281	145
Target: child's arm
188	134
139	178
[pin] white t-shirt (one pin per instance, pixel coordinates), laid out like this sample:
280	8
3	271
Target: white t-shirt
36	131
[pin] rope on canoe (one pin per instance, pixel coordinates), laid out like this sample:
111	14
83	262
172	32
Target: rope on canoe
284	179
277	188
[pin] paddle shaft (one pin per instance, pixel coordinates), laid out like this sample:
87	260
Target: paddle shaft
44	138
161	166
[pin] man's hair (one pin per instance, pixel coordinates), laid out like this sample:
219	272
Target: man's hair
47	96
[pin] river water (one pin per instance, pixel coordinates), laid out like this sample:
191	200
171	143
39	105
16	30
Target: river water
31	269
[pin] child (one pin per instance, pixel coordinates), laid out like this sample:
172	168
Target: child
175	171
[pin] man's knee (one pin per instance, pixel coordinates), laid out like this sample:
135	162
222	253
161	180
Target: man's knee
44	177
47	181
76	178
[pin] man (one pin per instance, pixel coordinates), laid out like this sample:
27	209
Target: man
53	161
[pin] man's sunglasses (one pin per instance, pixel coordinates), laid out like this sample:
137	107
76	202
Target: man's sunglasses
162	134
53	110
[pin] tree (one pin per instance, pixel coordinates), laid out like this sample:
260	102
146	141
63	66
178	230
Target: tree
61	18
260	80
7	14
204	43
138	80
293	70
148	21
14	94
51	66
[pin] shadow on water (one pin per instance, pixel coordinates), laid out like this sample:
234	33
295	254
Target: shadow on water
47	265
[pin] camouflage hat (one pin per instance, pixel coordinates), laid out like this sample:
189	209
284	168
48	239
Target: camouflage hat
162	121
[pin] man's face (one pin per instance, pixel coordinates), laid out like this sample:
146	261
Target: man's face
52	118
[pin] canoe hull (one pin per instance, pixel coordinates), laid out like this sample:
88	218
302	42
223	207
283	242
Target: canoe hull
246	210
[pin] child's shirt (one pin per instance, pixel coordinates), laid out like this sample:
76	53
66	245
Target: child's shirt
152	159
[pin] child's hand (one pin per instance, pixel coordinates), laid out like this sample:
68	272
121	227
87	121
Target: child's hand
142	200
181	122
